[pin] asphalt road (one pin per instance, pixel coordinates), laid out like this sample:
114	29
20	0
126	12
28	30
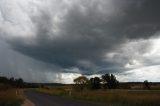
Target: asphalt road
41	99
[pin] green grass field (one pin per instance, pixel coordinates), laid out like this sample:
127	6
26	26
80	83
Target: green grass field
11	97
110	97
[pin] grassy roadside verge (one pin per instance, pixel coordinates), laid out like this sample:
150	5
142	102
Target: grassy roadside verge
111	97
11	97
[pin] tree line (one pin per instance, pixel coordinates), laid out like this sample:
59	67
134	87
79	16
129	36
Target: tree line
106	81
12	82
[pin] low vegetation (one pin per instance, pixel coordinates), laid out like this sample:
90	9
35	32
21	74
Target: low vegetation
11	97
105	89
10	93
108	90
116	97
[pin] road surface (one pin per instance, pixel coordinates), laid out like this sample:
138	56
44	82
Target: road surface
41	99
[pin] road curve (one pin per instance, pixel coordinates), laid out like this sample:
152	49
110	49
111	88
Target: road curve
41	99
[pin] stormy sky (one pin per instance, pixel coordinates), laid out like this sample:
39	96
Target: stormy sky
58	40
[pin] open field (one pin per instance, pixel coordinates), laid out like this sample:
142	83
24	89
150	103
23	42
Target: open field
11	97
115	97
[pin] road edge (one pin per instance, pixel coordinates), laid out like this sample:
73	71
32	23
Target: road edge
28	103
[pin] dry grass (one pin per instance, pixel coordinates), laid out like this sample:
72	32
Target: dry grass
111	97
123	97
11	97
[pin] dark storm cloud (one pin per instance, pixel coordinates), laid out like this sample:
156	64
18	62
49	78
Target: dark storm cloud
14	64
143	21
88	31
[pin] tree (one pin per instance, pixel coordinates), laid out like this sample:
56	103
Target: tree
12	82
95	83
114	82
110	81
146	84
81	82
106	80
19	83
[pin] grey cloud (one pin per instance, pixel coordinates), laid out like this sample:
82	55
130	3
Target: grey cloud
14	64
143	21
88	31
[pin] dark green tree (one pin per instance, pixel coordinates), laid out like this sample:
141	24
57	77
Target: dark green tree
95	83
19	83
81	82
110	81
146	84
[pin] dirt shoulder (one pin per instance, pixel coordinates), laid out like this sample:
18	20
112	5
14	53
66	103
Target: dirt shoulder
28	103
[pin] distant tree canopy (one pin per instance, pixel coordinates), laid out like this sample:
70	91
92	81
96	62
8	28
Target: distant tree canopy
12	81
81	82
107	81
110	81
95	83
146	84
